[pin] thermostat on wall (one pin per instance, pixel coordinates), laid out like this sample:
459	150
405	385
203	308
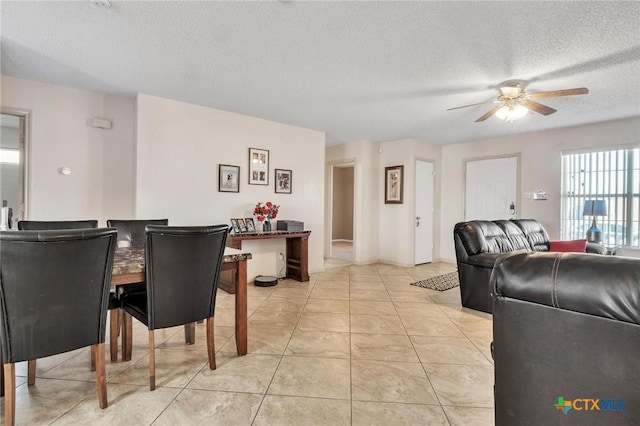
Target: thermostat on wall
101	123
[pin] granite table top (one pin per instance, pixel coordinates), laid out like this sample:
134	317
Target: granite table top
130	260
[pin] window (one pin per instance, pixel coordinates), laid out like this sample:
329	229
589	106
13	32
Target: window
612	176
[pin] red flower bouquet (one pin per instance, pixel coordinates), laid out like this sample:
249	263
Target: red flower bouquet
266	212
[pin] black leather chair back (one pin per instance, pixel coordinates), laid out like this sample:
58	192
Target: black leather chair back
39	225
535	232
54	290
131	232
182	270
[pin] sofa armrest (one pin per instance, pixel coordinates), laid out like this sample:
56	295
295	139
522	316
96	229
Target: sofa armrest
484	260
596	248
605	286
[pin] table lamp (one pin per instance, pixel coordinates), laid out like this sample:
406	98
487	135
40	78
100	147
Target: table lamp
594	208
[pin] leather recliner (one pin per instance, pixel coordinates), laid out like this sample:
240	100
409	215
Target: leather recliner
478	245
566	339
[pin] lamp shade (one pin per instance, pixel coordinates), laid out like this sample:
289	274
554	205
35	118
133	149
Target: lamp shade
595	208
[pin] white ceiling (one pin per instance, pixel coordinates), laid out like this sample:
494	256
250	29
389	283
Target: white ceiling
356	70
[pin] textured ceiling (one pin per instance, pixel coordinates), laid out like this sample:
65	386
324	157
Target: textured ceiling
356	70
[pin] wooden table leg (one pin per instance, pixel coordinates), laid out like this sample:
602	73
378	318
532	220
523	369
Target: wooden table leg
241	307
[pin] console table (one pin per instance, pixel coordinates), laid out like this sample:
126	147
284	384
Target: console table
297	255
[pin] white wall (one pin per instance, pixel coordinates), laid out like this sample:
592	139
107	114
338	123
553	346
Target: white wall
364	154
100	186
179	148
397	221
10	173
541	168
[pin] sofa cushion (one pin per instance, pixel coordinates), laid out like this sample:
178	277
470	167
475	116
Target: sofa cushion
482	236
572	246
484	260
535	232
514	234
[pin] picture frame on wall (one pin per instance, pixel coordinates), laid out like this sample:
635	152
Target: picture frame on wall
258	166
241	225
251	227
393	184
228	178
284	181
234	226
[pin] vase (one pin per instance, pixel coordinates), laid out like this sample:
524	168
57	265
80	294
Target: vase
266	226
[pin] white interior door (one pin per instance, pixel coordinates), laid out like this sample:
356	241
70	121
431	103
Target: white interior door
491	189
424	212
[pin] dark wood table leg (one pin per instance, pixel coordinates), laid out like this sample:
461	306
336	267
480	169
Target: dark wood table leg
298	258
241	307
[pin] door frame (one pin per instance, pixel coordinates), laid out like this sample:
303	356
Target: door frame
26	166
328	252
491	157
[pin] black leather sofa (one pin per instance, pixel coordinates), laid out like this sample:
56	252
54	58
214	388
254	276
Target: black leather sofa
566	339
478	245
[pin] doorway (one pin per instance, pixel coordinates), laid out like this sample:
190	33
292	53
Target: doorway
343	184
12	168
491	188
424	185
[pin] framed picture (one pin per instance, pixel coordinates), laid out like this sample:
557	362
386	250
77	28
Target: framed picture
251	227
283	181
234	226
393	184
258	166
228	178
241	225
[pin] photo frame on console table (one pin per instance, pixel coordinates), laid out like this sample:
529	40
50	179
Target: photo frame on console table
258	166
283	181
393	184
228	178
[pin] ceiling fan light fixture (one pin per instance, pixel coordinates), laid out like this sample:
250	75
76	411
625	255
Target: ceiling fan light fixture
511	113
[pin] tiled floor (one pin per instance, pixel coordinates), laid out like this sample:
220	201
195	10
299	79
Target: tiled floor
357	345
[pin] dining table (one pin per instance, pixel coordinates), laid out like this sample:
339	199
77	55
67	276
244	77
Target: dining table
129	268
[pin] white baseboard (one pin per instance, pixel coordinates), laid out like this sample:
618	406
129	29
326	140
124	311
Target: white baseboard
341	240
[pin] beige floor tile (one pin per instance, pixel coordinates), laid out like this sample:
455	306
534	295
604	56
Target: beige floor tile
333	276
262	340
377	324
479	328
376	295
48	399
310	321
196	407
173	368
296	411
327	306
385	414
276	304
382	347
397	277
410	296
125	402
324	344
249	373
451	296
367	307
470	416
462	385
291	293
419	311
45	364
484	346
284	320
220	336
448	350
330	293
430	326
332	284
391	382
365	277
256	291
457	312
312	377
368	285
224	318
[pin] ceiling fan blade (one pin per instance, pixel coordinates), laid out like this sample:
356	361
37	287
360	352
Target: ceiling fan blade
539	108
565	92
464	106
489	113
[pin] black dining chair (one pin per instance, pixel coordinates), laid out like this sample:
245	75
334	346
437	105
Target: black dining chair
131	233
182	267
114	302
54	297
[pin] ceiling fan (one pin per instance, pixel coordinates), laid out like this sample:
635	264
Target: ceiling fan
513	102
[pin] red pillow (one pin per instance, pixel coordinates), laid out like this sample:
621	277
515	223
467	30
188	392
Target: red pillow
573	246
